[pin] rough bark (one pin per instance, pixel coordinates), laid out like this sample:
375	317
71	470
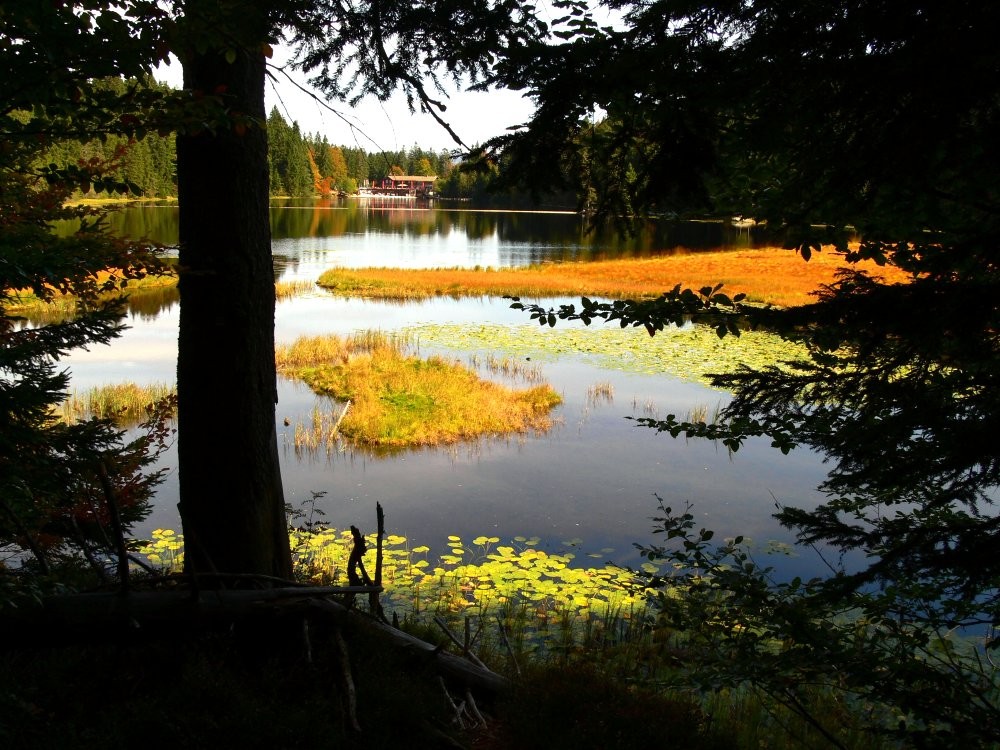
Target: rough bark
231	498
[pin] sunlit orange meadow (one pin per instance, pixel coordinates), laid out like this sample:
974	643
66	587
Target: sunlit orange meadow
771	275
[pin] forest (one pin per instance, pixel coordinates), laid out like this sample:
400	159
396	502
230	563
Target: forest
299	164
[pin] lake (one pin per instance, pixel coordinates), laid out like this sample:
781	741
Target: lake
591	482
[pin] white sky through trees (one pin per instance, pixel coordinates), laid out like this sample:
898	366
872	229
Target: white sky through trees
389	126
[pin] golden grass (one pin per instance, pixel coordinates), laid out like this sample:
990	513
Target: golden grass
771	275
312	351
64	306
23	301
126	403
399	400
290	289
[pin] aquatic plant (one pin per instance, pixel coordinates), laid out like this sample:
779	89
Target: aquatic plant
541	599
689	353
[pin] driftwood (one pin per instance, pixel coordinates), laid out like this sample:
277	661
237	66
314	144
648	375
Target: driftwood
466	646
112	616
446	664
187	605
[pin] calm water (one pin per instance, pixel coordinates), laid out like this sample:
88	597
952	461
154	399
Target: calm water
593	478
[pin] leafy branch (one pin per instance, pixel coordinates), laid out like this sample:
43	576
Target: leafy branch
676	307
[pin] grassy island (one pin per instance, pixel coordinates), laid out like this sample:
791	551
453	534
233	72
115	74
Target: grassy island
772	275
397	399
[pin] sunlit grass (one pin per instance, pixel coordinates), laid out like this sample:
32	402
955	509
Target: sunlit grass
775	276
24	303
321	432
290	289
125	403
398	399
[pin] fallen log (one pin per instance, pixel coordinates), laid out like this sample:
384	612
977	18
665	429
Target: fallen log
445	663
119	617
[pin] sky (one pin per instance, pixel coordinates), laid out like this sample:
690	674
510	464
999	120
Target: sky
388	126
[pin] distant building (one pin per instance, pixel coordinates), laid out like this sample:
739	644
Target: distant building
401	186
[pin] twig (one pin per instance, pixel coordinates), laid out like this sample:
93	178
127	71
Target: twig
87	553
347	682
474	708
356	573
144	565
454	639
307	641
336	425
116	525
43	563
451	702
506	643
373	601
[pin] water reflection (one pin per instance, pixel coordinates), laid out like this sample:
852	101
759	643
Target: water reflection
149	304
540	235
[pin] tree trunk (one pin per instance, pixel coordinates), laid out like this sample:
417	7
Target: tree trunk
231	498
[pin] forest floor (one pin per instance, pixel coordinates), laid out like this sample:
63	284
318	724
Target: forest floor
264	688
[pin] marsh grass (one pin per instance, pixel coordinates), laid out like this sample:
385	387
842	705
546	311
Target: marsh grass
601	393
322	431
150	291
62	307
703	413
508	367
770	275
400	400
126	403
291	289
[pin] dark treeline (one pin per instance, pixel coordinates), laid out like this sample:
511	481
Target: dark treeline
301	164
149	162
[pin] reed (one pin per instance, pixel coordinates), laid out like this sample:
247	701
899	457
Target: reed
513	368
290	289
703	413
322	431
125	403
771	275
313	351
601	393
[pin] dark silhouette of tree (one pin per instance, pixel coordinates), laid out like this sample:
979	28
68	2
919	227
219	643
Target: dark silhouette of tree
68	491
231	500
872	130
